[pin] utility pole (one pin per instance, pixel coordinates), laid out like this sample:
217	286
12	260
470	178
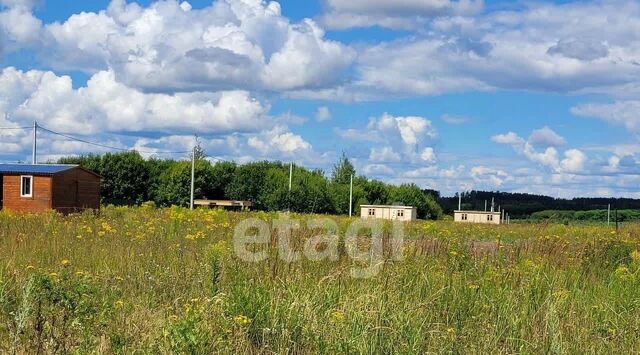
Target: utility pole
351	195
492	205
34	158
608	214
193	174
459	201
616	219
485	205
290	175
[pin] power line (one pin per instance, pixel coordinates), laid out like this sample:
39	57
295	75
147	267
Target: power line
67	136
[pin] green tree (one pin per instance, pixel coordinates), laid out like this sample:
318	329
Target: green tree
342	171
223	173
376	192
247	183
174	187
412	195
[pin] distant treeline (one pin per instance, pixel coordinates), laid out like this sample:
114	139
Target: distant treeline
128	179
591	215
521	205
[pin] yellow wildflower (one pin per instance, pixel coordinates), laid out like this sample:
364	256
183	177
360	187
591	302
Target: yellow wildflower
622	270
119	303
242	320
30	267
635	255
65	262
337	317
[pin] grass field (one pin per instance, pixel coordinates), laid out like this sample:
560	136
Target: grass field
168	281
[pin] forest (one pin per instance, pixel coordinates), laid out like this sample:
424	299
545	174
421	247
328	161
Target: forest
522	205
129	179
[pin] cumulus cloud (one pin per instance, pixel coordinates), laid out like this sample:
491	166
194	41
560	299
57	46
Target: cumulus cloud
428	155
384	154
168	45
545	138
573	162
411	129
18	27
107	105
279	141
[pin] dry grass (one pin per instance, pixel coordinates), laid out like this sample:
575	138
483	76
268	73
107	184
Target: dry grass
167	281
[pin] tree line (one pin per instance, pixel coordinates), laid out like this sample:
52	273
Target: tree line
523	205
129	179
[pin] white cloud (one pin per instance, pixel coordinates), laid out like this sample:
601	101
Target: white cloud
404	14
18	27
323	114
489	176
510	138
624	113
384	155
107	105
428	155
411	129
378	170
573	162
230	44
546	137
280	142
533	48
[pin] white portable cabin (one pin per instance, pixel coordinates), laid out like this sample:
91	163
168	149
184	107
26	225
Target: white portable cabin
477	217
396	213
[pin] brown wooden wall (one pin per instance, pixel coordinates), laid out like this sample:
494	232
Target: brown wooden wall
41	194
75	190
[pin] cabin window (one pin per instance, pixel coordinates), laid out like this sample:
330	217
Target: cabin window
464	216
400	213
26	186
490	217
372	211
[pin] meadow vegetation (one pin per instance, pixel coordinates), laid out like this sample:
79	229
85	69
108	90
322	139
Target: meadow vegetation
168	281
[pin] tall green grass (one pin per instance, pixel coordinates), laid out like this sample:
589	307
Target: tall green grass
167	281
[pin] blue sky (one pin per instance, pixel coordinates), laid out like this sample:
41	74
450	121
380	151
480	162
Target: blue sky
537	97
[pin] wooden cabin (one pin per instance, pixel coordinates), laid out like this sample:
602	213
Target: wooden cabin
42	187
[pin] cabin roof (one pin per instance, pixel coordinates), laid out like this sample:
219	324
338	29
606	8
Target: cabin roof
477	212
387	206
35	169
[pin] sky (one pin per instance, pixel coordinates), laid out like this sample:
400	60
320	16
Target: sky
521	96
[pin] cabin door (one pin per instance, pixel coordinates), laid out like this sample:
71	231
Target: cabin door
1	193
